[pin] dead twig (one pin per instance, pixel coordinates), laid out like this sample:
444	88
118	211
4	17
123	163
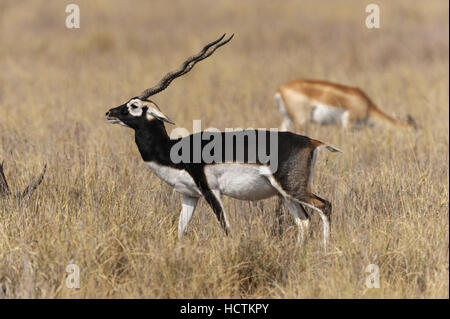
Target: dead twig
5	191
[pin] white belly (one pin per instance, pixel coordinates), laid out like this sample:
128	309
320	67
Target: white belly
240	181
180	180
325	114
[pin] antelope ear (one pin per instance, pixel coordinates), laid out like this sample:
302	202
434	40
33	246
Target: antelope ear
154	113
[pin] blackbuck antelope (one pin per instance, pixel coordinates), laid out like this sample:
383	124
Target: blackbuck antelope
322	102
234	171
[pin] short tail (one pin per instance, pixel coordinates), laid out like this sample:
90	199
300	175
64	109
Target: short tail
332	148
318	145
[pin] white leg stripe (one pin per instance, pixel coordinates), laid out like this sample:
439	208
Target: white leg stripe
189	204
326	226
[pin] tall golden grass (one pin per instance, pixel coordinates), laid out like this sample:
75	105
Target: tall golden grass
100	208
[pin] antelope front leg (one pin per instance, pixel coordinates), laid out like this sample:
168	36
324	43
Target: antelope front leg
187	209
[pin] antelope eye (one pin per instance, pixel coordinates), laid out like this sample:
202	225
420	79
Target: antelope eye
134	106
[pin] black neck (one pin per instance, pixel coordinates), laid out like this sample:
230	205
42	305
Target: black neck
153	142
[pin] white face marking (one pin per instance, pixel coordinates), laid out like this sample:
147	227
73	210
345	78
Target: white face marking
135	107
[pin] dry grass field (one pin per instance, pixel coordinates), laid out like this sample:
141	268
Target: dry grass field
101	208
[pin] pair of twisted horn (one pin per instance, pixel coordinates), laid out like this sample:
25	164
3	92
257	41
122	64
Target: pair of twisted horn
185	67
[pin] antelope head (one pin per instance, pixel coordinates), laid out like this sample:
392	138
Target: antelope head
139	110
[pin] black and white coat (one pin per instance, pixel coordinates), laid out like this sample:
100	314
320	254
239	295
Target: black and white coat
238	179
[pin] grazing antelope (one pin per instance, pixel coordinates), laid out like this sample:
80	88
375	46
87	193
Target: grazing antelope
303	101
235	174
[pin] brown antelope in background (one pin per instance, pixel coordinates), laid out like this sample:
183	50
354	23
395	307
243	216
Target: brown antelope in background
322	102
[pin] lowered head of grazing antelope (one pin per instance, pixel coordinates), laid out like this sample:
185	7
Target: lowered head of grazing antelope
241	167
